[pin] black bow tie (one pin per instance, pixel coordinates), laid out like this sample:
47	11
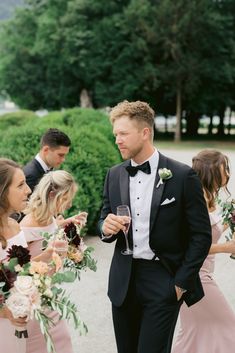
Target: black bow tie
145	167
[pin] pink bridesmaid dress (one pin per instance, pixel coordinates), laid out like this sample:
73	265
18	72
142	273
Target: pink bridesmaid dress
9	342
59	333
209	325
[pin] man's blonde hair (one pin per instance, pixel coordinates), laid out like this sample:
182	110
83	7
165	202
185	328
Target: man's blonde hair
53	186
139	111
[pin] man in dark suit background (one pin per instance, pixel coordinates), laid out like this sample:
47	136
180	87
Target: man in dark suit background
170	235
54	146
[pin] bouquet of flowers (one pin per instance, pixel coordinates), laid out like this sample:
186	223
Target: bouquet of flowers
228	214
78	256
30	288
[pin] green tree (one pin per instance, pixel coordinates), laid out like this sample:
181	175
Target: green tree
194	39
97	45
107	44
176	55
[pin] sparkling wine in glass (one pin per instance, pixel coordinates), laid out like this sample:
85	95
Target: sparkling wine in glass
123	210
60	244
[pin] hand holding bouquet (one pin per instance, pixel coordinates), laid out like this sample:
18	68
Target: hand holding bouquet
77	256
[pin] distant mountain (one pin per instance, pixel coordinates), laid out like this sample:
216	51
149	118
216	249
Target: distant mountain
7	8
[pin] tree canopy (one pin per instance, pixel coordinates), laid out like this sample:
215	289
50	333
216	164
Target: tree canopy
177	55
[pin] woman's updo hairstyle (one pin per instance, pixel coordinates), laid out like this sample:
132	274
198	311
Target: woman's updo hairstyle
51	195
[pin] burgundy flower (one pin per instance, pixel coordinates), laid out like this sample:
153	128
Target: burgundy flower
71	232
233	217
21	253
8	277
2	298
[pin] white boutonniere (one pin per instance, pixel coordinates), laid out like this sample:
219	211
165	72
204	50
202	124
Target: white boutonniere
164	174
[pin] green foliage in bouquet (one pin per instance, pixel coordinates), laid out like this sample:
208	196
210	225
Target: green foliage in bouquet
228	215
78	255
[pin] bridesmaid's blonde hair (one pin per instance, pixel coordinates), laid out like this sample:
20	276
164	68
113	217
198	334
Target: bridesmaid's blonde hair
51	195
7	170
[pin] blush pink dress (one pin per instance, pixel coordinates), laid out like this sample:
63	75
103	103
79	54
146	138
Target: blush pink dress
209	325
9	342
59	333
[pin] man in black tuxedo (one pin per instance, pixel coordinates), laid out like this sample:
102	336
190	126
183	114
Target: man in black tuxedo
54	146
170	235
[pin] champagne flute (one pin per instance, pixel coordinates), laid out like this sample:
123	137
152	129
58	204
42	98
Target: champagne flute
123	210
60	244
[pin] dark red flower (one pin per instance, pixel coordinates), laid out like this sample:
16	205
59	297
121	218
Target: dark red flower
233	217
71	232
8	278
22	254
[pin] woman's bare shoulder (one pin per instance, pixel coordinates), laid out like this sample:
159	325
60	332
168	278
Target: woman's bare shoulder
28	221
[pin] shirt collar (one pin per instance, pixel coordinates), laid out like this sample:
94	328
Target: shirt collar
153	160
42	163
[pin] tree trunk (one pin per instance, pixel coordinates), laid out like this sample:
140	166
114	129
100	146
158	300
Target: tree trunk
230	122
210	126
192	124
178	114
166	124
221	124
85	99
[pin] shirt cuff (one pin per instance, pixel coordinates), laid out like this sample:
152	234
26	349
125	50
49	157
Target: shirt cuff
103	237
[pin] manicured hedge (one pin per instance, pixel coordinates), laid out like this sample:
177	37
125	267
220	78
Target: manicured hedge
20	143
78	118
91	154
18	118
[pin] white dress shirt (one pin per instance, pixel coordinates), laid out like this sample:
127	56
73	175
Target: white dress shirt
141	190
42	163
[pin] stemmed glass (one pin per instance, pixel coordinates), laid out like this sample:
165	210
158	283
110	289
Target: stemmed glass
60	246
123	210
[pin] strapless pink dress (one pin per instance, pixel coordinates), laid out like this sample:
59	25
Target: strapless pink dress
209	325
59	333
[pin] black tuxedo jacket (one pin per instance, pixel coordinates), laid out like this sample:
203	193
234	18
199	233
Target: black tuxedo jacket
33	172
180	232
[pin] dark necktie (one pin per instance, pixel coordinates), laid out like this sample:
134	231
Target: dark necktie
145	167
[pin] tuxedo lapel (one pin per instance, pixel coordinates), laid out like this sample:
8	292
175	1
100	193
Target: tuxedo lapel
38	167
124	185
157	192
125	194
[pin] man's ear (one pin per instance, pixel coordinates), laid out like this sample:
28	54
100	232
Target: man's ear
146	133
45	149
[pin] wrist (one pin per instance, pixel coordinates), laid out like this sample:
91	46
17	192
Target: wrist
3	312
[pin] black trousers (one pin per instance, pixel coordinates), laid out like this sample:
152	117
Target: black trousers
146	320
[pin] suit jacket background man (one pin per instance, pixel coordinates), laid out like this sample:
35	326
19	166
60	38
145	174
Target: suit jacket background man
170	235
54	146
